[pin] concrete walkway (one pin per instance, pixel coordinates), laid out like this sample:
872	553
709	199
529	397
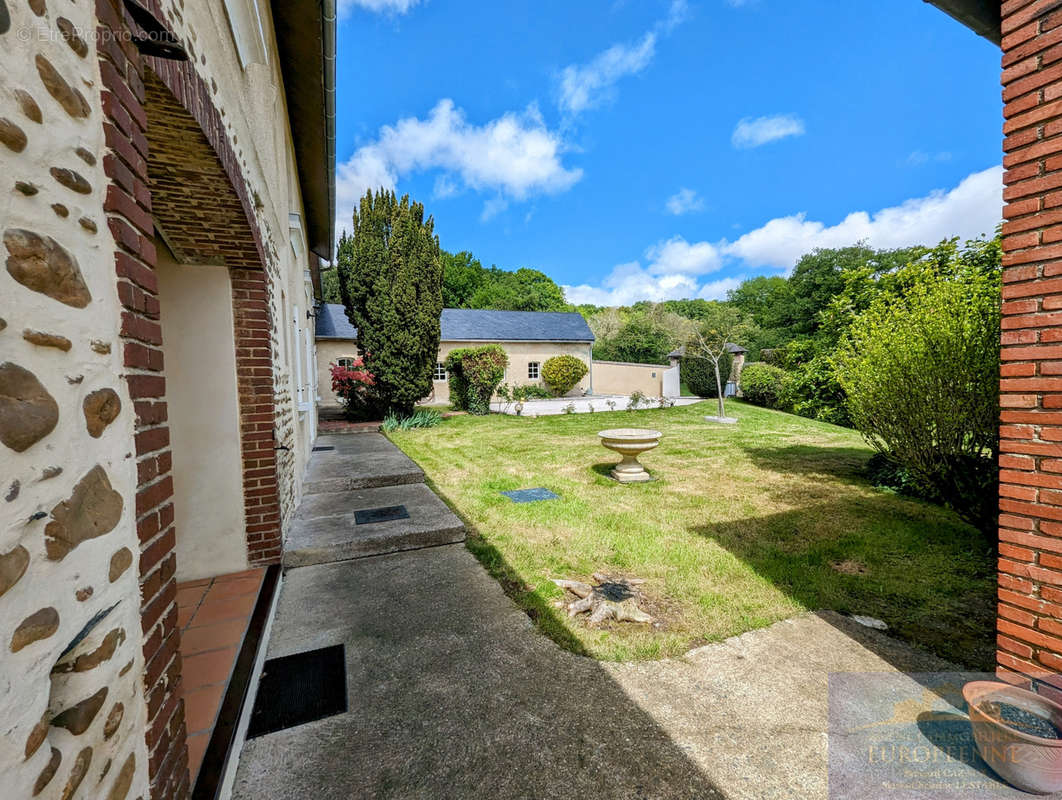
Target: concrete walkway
357	472
453	694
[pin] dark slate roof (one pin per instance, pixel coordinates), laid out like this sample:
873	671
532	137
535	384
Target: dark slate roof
467	324
332	323
476	325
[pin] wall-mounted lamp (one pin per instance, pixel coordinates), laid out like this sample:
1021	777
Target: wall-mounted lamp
154	40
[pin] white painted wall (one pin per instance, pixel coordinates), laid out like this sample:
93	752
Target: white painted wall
672	383
197	327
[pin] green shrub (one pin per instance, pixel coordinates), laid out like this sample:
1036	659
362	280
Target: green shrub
636	400
921	372
699	374
562	373
474	375
887	473
765	385
421	418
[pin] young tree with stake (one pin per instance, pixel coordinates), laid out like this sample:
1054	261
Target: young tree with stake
722	325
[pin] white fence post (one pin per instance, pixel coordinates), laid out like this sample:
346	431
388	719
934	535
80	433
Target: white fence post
672	382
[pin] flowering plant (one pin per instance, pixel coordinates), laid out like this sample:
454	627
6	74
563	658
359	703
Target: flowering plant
353	384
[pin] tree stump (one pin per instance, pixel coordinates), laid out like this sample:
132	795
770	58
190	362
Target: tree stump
611	598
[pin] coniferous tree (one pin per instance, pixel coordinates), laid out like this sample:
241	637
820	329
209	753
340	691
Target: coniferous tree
390	277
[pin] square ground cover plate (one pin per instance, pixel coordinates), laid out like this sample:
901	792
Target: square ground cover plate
530	495
299	688
385	514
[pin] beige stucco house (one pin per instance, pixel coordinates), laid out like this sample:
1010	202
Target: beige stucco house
529	339
169	190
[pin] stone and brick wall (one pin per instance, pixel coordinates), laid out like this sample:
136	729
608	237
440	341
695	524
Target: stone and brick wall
72	660
1030	548
90	692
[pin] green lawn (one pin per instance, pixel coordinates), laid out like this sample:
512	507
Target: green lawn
745	525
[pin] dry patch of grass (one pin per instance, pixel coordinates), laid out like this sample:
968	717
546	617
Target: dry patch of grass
745	525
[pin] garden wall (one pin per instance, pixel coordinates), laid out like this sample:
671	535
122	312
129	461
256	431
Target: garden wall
621	377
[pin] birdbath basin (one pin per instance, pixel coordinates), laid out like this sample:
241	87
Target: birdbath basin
630	443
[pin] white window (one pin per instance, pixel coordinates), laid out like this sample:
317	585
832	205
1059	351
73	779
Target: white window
346	361
440	372
533	370
303	353
245	23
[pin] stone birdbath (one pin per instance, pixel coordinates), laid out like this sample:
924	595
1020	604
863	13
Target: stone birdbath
630	443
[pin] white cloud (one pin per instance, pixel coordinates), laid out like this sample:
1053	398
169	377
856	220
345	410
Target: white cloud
716	290
761	130
676	255
684	201
970	209
514	157
675	267
671	274
379	6
628	283
919	158
584	86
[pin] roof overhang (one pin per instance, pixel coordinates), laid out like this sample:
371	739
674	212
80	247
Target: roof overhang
306	42
519	341
981	16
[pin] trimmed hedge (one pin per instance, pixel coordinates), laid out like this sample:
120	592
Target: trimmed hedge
474	375
764	385
699	374
562	373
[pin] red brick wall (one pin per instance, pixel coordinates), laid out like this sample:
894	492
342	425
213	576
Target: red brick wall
1030	547
128	207
206	212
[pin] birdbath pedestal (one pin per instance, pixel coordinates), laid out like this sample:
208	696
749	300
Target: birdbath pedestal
630	443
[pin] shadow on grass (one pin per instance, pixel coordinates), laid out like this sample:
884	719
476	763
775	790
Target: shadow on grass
924	573
545	617
841	462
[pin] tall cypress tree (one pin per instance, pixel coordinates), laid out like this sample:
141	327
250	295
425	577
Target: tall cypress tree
390	276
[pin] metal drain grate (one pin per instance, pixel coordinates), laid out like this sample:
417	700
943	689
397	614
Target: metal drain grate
367	516
322	448
530	495
299	688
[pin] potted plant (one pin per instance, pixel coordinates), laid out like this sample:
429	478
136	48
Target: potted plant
1018	734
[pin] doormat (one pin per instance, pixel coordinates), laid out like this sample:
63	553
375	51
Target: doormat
299	688
530	495
367	516
322	448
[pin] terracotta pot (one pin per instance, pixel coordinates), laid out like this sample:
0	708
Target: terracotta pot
1030	763
630	443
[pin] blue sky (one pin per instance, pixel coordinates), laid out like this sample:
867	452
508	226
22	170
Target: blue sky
656	149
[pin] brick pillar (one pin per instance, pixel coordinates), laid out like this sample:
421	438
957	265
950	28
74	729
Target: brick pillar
254	383
128	208
1030	548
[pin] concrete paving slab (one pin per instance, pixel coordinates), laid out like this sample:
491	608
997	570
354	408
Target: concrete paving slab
452	693
324	528
340	470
